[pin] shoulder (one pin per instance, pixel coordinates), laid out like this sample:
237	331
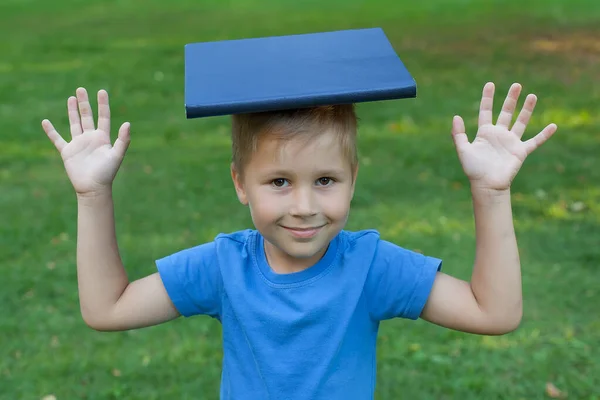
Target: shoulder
227	242
361	238
370	239
223	242
232	247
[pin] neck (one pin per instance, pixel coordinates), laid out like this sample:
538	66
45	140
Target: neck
283	263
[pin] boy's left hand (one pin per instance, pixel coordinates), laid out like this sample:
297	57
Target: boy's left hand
496	154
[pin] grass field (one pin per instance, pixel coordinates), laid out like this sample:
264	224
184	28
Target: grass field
174	190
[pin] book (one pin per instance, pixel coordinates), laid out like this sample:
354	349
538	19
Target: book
293	71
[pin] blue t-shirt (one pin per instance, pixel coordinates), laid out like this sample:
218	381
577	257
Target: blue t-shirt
304	335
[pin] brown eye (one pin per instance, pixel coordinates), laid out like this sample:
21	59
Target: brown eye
324	181
279	182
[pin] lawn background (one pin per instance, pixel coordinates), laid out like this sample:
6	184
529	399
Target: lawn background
174	190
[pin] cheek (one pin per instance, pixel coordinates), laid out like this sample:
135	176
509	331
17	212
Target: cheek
265	205
336	205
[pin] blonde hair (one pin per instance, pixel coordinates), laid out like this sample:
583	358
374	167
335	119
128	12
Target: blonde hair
308	123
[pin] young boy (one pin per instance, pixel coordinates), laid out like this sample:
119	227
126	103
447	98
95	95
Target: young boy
300	299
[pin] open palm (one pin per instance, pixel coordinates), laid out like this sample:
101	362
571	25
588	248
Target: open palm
90	160
497	153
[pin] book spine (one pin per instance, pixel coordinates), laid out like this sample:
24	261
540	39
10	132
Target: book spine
282	103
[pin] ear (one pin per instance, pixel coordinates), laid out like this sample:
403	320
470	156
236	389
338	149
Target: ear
354	181
239	185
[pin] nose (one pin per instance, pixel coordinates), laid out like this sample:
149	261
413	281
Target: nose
303	203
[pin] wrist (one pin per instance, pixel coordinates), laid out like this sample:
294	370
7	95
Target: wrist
490	194
95	197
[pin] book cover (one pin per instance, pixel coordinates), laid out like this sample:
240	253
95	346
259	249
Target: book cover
294	71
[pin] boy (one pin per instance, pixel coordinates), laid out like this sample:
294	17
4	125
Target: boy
300	298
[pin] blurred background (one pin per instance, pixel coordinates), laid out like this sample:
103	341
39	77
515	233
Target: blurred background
174	191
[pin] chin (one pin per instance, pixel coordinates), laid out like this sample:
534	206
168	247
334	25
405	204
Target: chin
304	254
306	250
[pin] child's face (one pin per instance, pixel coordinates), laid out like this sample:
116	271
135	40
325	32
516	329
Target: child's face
299	197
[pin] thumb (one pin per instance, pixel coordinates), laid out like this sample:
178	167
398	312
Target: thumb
458	133
122	142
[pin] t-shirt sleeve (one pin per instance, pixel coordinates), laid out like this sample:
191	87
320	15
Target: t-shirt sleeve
399	282
193	281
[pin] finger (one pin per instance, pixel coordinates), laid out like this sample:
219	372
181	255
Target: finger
458	133
122	142
85	109
510	103
103	111
540	138
53	135
524	116
487	103
74	121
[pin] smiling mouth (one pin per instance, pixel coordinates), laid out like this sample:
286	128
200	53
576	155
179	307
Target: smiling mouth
303	232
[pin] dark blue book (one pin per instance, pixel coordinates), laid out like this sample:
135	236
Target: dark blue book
295	71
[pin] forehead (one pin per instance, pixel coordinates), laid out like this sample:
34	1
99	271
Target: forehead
322	148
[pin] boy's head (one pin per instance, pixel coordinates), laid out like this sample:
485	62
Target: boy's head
305	124
296	170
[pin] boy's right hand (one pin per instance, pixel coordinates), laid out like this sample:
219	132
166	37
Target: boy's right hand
90	160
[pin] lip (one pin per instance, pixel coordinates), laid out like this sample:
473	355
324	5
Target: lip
303	233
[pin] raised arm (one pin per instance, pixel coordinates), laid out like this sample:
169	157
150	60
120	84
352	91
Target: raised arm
108	300
492	302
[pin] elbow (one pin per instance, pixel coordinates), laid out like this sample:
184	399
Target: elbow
97	323
514	321
506	325
517	321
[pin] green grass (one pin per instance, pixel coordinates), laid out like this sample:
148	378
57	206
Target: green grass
174	189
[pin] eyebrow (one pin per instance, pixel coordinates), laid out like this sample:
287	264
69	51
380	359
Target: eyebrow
321	172
332	171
